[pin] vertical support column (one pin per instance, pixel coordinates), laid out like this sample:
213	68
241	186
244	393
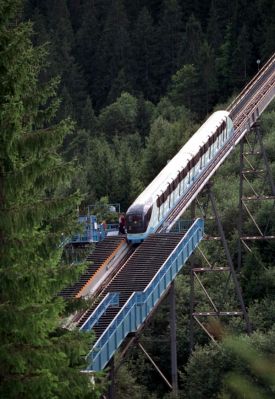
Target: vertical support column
230	263
240	220
268	170
192	289
191	321
174	365
111	390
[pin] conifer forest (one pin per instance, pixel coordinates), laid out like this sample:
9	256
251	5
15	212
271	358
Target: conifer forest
96	96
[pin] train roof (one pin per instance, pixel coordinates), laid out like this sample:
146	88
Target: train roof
180	160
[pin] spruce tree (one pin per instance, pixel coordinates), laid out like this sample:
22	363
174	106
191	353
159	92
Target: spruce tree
112	57
170	40
37	358
144	49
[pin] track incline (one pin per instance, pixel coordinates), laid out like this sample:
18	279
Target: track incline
137	272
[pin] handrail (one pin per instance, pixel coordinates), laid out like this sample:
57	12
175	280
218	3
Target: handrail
251	83
140	304
111	299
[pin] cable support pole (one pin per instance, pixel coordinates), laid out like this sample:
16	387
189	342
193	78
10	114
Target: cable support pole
230	263
173	337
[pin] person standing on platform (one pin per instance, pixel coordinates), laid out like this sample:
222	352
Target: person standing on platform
122	223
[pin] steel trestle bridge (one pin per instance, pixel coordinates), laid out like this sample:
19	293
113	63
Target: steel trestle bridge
128	283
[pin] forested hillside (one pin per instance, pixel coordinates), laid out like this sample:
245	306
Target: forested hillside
95	97
139	74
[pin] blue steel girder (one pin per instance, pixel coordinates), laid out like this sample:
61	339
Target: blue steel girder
140	304
111	299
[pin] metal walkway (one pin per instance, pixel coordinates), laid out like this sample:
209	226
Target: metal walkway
101	262
136	289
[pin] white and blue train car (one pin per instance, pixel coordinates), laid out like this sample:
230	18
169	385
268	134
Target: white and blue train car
154	204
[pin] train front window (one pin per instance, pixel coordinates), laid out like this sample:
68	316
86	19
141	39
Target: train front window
135	223
135	219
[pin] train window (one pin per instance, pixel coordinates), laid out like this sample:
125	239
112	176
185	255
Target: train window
197	157
215	136
175	183
158	201
209	153
147	217
135	218
134	223
186	171
183	174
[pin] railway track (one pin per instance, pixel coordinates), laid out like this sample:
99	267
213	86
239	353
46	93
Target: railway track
136	273
101	262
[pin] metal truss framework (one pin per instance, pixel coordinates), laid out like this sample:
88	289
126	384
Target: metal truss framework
247	169
251	146
217	307
254	162
134	340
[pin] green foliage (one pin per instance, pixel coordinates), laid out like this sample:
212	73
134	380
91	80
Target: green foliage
204	372
184	86
88	118
261	314
127	386
36	360
144	42
119	117
105	183
256	358
103	48
200	52
169	130
238	366
103	212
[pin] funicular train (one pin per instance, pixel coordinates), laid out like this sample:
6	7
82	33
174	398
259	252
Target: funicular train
154	204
